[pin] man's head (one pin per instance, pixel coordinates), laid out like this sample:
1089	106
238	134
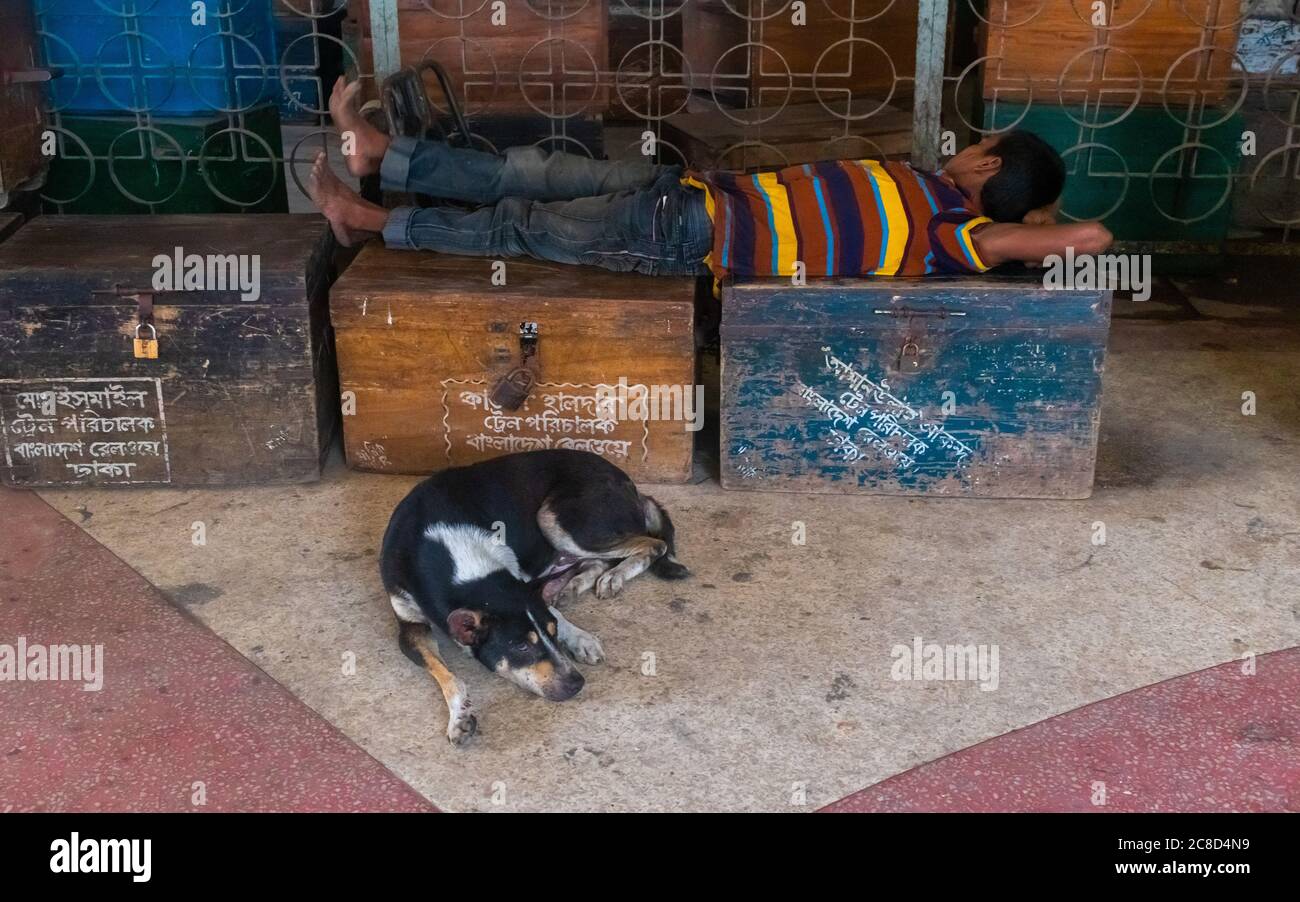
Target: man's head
1010	174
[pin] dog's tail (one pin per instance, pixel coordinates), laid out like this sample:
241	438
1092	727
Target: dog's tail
660	526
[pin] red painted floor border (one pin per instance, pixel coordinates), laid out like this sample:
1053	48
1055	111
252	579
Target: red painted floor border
1215	740
181	715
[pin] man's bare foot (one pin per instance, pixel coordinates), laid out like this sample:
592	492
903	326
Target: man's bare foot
352	218
370	143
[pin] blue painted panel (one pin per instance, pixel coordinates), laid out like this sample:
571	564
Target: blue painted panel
899	388
123	56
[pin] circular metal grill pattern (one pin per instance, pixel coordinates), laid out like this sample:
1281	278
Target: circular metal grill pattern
1163	117
1154	100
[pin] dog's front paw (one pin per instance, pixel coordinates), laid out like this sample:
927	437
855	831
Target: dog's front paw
570	592
461	726
609	585
586	648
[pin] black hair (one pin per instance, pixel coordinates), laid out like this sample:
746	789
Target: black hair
1031	176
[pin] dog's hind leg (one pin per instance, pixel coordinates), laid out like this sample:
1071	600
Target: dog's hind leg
576	641
603	525
637	555
416	642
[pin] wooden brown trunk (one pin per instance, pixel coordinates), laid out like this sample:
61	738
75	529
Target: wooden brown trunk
547	57
768	59
800	133
1042	48
423	338
21	161
241	391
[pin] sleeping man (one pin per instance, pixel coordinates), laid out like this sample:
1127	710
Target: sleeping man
992	203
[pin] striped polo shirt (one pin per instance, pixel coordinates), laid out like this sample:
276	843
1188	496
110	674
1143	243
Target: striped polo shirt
840	218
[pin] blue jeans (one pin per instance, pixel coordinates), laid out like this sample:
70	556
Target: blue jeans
625	216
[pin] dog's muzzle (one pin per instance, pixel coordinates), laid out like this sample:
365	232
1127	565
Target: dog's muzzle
564	687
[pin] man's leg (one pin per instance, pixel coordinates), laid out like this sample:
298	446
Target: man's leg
452	173
583	230
457	173
663	229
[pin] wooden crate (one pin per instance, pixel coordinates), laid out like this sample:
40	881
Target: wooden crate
423	337
487	62
1039	48
980	386
241	391
21	162
782	58
799	133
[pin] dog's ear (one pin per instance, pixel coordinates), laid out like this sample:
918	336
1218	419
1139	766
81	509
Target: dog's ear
466	626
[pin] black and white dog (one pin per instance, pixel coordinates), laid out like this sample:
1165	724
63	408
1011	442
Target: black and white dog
481	552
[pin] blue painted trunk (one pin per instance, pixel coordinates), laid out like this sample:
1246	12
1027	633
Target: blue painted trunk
986	386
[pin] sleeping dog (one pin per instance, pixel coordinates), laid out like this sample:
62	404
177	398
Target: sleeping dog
481	552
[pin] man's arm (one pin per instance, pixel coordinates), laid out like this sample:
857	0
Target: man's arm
1000	242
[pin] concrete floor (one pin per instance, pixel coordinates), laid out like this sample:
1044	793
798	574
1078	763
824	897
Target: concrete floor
771	685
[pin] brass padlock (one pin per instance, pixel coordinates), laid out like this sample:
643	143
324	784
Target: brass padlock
146	348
